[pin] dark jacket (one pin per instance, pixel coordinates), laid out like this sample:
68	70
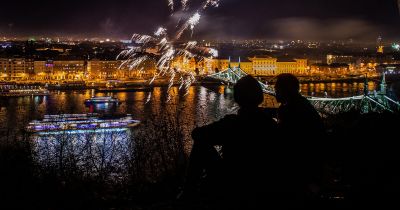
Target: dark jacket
299	119
303	141
246	140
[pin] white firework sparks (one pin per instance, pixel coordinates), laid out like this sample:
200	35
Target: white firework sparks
184	4
191	44
194	20
212	3
171	4
214	52
160	31
163	51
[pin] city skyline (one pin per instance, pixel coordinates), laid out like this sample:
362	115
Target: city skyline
233	19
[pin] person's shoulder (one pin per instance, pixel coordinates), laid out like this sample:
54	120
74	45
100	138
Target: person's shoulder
304	103
230	117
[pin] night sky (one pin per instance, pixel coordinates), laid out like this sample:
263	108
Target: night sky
234	19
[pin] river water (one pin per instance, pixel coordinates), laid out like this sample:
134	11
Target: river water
159	144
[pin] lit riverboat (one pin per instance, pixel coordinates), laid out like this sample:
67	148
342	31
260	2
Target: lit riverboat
19	91
80	122
102	100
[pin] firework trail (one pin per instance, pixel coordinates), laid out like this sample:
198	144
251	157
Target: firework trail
192	22
163	50
184	4
148	98
171	4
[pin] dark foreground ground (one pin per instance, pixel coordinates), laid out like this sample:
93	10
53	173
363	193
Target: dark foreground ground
361	169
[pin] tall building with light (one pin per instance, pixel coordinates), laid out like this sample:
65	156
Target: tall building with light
380	45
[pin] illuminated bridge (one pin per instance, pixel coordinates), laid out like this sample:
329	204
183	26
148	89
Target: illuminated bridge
375	102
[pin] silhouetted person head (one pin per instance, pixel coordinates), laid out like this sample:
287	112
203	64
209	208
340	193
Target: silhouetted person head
248	92
287	87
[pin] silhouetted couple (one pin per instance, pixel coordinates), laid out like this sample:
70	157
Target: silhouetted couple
261	162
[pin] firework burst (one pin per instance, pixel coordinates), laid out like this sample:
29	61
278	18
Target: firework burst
163	50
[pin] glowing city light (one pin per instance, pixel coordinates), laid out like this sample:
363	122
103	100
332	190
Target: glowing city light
396	46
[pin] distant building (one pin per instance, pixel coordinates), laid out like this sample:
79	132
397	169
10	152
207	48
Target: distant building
189	64
104	69
69	70
264	66
257	66
292	66
43	69
16	68
388	69
268	66
330	69
380	45
246	65
348	59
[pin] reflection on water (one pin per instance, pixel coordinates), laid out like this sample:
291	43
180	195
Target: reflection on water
162	138
92	152
335	90
157	144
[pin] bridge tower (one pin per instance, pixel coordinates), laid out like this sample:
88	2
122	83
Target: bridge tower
366	92
383	85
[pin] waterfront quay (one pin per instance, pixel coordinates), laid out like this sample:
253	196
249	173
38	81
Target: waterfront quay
161	81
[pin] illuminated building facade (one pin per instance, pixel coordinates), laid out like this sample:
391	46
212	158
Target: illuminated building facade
246	66
104	69
264	66
257	66
389	69
43	69
291	66
269	66
188	64
330	69
69	70
330	58
16	68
